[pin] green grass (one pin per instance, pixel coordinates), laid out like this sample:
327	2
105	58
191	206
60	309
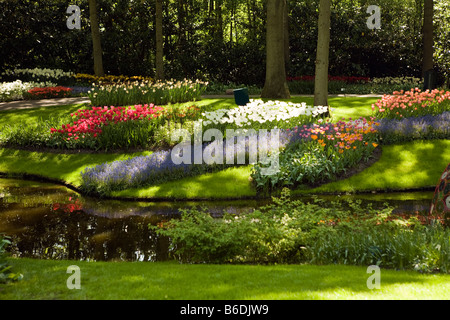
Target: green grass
46	279
61	167
411	165
404	166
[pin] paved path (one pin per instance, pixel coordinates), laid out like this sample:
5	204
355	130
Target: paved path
26	104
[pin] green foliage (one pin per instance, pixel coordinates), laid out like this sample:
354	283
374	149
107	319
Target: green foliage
31	135
219	43
300	163
295	231
6	274
422	248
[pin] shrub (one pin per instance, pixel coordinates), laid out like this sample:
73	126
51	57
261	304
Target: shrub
296	231
422	248
6	273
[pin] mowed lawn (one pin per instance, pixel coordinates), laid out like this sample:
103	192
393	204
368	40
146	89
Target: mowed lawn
47	279
404	166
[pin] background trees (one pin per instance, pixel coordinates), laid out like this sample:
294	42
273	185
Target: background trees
220	40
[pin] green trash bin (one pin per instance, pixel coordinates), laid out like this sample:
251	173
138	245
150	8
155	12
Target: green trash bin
429	80
241	96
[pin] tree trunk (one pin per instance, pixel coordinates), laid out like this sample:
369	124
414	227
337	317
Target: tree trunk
287	53
275	86
159	41
96	39
323	45
427	36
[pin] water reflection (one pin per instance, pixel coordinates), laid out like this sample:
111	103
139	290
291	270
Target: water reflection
52	222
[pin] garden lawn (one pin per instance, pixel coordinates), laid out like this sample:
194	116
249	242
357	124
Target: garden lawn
404	166
64	168
417	164
412	165
46	279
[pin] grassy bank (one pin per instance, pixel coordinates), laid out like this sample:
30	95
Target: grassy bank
46	279
405	166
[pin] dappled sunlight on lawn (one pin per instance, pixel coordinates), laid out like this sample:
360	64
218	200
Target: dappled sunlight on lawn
398	168
228	183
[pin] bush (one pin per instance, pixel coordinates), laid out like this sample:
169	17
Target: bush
295	231
422	248
6	273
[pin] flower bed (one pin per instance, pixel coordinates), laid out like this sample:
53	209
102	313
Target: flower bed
263	115
109	127
38	75
48	92
154	169
318	152
407	129
15	90
143	92
412	103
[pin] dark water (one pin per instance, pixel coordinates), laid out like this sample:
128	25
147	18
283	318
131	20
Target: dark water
52	222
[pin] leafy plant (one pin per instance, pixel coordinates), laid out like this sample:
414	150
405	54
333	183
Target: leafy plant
6	273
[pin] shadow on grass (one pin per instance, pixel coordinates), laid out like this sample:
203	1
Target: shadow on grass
413	165
168	280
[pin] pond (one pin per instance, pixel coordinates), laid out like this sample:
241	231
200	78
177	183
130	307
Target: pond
53	222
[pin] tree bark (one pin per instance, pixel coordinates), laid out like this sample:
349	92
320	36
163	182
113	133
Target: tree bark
96	39
323	46
159	41
275	86
428	40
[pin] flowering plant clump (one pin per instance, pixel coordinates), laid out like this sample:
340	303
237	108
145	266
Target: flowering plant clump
141	92
48	92
413	103
258	114
397	80
89	78
407	129
97	122
15	90
38	74
319	152
155	168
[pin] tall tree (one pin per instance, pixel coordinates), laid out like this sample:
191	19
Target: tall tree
428	39
322	57
275	86
96	39
159	40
